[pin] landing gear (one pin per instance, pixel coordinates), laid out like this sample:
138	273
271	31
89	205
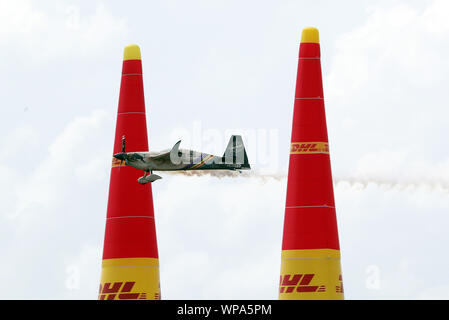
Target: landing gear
148	178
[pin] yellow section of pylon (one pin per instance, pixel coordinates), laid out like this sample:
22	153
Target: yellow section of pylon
313	274
130	279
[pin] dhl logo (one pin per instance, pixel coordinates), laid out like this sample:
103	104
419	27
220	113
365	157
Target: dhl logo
309	147
111	291
299	283
117	163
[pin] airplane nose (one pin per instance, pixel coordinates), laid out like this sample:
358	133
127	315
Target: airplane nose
120	156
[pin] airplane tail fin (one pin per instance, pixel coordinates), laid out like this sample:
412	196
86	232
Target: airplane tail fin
235	153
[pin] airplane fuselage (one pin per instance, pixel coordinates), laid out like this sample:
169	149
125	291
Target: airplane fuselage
186	160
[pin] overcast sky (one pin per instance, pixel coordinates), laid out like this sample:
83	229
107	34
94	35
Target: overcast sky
213	68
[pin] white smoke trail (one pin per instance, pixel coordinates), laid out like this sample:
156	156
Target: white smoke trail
357	182
392	184
227	173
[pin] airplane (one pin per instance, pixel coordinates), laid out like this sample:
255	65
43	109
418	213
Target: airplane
234	158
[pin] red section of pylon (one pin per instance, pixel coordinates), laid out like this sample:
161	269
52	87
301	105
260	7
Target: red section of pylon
310	220
130	228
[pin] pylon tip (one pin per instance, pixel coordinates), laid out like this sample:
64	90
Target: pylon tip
310	35
131	52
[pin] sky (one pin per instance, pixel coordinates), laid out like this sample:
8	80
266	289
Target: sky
211	69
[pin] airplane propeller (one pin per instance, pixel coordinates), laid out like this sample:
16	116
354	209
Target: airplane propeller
123	156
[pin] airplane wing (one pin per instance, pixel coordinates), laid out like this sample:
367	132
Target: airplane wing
170	155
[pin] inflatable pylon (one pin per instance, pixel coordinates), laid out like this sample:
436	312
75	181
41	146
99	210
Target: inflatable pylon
130	268
310	263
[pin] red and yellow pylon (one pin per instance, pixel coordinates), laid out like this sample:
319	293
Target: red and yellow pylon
130	268
310	265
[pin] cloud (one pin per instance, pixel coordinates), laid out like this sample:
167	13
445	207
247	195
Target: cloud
435	293
387	111
69	157
385	91
399	231
19	140
50	214
398	40
215	246
32	32
83	274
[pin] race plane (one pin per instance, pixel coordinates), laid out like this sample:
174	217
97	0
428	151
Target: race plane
234	158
